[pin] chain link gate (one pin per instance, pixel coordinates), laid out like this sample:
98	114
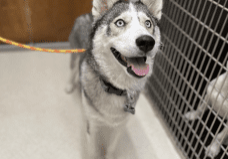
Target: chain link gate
194	33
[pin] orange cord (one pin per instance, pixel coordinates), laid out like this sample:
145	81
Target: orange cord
40	49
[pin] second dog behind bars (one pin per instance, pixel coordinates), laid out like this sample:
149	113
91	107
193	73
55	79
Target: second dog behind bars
217	98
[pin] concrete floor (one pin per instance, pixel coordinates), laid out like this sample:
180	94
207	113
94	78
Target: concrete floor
38	120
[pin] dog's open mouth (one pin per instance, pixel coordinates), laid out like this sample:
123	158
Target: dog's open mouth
136	66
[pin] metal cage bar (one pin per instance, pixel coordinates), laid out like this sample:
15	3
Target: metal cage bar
194	34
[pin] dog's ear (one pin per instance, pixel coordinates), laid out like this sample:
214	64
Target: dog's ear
101	6
155	6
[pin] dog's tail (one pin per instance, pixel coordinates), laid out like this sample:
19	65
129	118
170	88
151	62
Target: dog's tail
79	36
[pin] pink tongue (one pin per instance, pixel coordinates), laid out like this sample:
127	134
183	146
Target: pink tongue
138	66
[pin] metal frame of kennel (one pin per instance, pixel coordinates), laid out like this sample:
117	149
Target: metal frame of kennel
194	33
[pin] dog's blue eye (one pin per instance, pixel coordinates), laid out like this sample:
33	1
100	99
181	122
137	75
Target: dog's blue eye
120	23
148	24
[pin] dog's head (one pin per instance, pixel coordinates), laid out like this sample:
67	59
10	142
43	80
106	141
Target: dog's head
126	38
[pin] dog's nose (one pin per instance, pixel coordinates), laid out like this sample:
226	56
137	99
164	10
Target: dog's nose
145	43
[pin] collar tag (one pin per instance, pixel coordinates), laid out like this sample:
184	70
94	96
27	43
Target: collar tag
130	102
129	108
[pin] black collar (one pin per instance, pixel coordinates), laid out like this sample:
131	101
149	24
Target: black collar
109	88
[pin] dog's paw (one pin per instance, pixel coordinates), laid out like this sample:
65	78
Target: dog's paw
192	115
69	88
213	149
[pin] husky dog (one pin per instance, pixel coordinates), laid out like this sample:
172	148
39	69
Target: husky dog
217	97
121	38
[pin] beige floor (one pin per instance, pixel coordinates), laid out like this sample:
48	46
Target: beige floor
38	120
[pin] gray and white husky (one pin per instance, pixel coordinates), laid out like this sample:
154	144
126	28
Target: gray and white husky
121	38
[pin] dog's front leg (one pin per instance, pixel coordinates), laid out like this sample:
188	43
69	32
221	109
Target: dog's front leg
214	148
96	141
113	141
192	115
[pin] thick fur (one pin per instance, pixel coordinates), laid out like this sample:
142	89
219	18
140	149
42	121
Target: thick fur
104	112
217	97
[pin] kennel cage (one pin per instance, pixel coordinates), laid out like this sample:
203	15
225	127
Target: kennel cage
194	33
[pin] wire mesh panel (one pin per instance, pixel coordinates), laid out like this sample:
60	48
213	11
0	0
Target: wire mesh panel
190	80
